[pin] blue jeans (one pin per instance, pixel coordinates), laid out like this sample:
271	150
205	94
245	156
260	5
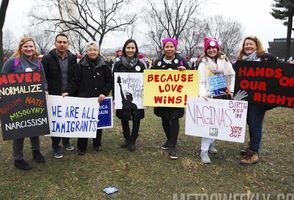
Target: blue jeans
255	115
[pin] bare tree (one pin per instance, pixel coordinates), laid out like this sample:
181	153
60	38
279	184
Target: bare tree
95	17
228	31
193	36
3	9
43	38
156	31
77	42
9	43
175	14
131	30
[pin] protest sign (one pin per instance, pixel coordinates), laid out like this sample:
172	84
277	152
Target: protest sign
169	88
216	118
73	117
23	107
268	83
128	90
105	114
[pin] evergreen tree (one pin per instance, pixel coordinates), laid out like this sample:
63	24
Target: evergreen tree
284	10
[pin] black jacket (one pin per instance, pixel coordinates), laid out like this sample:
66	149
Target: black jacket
53	71
267	57
128	114
90	79
169	112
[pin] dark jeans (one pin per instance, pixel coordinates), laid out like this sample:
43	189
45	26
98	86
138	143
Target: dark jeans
18	146
83	142
56	141
255	117
130	136
171	130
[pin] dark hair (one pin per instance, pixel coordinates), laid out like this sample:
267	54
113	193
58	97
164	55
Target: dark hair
126	44
60	34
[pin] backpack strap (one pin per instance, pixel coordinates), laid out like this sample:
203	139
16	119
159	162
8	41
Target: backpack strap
15	64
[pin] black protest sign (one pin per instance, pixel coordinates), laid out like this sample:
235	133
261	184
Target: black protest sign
23	106
268	83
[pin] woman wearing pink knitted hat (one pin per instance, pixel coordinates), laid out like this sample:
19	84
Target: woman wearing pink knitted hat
170	60
214	64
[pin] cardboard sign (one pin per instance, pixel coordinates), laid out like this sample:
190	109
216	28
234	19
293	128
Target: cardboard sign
169	88
128	90
217	119
23	107
269	83
105	116
73	117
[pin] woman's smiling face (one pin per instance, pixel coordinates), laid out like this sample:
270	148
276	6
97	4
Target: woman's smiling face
249	46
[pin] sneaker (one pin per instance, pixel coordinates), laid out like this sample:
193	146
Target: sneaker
125	144
97	148
212	149
132	147
250	159
22	164
37	156
69	147
172	153
205	157
81	153
57	154
165	146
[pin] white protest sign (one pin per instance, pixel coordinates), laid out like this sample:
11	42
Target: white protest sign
216	118
128	90
73	117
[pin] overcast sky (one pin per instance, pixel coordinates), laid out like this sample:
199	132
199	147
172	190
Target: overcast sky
252	14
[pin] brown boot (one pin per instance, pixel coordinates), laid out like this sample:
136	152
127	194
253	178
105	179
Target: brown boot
250	159
244	152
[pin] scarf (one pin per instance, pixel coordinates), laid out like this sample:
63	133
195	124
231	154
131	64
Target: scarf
168	61
221	66
129	63
25	63
251	57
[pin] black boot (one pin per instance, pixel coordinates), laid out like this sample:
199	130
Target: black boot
37	156
125	144
22	164
132	144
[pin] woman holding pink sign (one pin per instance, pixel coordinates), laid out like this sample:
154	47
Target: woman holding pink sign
216	80
170	116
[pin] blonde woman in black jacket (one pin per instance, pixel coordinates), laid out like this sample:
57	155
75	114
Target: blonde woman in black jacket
252	50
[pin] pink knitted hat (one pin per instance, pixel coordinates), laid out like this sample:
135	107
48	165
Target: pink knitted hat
210	42
172	40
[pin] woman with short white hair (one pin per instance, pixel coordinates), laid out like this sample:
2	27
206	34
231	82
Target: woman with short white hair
91	78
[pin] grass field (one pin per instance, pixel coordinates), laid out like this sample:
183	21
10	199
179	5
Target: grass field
148	173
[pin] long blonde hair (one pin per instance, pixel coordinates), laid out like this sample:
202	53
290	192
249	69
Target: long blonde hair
24	40
260	50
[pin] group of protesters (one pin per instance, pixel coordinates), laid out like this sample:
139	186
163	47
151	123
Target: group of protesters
92	77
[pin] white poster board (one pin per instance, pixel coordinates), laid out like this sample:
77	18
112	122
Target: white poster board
128	90
216	118
73	117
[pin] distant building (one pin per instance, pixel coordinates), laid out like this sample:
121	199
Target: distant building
278	47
